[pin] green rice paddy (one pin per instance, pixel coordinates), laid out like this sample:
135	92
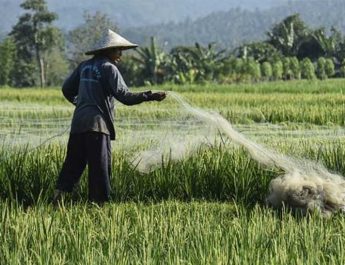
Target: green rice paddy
208	208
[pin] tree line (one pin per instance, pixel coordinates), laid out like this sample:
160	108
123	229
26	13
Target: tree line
36	53
231	28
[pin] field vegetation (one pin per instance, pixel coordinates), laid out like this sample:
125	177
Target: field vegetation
208	208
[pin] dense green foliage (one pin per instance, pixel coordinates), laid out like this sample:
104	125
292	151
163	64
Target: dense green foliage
292	50
35	39
7	57
31	33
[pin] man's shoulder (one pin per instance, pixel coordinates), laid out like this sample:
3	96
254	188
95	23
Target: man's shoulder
109	67
107	63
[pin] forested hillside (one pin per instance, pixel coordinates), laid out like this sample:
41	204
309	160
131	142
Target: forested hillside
236	26
184	22
129	13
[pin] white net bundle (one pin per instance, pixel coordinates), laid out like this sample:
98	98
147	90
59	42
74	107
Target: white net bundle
305	185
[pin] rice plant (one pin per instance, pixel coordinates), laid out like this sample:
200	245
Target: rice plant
207	208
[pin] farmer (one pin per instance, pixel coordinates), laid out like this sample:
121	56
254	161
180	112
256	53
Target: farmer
92	88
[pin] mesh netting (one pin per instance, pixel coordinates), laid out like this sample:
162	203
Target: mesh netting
174	132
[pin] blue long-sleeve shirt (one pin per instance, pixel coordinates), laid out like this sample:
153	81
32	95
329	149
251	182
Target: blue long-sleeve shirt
92	87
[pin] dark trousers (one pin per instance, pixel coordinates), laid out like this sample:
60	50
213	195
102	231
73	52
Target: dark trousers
92	149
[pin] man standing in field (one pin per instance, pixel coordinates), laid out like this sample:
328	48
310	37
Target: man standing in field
92	87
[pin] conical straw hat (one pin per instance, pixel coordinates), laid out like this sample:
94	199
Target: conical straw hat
110	39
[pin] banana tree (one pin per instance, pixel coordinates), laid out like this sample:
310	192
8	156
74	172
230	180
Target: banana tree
318	44
197	63
287	35
260	51
151	61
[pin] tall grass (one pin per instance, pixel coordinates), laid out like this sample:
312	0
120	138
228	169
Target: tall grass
167	233
219	173
205	209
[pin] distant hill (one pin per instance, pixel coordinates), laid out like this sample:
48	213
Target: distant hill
184	22
130	13
231	28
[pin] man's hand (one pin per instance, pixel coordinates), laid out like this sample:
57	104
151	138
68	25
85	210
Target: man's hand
157	96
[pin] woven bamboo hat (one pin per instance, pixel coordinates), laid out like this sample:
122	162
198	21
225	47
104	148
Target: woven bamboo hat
109	40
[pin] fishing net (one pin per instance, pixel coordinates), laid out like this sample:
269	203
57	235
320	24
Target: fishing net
155	133
32	125
305	185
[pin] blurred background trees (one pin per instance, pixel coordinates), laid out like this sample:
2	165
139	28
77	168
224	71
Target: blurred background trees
36	53
35	38
85	36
